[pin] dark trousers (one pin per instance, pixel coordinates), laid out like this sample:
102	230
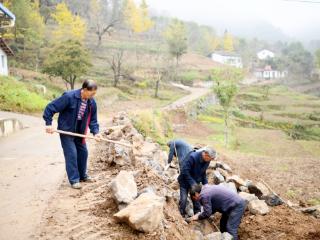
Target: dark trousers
183	202
76	155
230	221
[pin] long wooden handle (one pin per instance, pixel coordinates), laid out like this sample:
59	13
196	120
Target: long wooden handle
92	137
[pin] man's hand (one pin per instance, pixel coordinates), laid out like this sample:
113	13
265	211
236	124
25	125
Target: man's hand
193	218
49	129
98	137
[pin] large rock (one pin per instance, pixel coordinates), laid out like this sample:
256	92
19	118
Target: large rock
224	166
124	188
218	236
258	207
314	211
259	189
213	236
144	214
120	155
248	197
217	177
237	180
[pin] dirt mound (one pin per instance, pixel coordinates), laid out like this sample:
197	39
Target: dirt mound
280	223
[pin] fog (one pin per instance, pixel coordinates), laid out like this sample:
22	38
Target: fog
277	19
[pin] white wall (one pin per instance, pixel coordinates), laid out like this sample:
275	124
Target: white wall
3	63
229	60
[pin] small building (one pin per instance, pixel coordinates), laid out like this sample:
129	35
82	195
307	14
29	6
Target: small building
228	58
268	73
5	51
265	54
7	20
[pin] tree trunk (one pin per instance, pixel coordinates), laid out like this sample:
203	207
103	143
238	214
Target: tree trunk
226	134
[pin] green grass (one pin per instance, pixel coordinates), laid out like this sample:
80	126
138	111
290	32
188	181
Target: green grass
154	124
15	96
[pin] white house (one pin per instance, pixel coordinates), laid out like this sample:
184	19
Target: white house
265	54
5	51
7	20
268	73
228	58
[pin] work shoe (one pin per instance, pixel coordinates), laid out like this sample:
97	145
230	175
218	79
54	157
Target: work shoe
88	179
76	185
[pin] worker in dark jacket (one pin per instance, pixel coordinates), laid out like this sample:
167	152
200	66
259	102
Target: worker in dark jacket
77	112
179	149
218	198
193	172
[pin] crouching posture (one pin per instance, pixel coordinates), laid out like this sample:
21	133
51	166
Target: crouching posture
217	198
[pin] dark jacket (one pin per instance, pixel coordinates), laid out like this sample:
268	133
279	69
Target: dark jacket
68	107
179	149
217	198
193	170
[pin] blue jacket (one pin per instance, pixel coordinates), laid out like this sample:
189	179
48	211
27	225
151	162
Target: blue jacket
217	198
193	170
182	148
68	107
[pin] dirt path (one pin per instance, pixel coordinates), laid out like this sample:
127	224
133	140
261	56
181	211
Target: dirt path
195	93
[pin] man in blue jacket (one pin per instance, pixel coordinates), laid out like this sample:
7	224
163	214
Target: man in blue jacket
193	172
179	149
218	198
77	112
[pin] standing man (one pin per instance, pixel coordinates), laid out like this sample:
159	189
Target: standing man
77	112
218	198
179	149
193	172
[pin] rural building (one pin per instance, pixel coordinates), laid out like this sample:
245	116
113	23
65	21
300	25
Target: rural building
228	58
267	73
7	20
265	54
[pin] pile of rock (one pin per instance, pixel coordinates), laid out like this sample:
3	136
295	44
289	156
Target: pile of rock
143	210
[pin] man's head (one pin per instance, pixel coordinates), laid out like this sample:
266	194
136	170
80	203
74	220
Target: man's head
89	89
195	192
208	154
169	143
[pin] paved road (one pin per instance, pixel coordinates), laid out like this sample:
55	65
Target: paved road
32	168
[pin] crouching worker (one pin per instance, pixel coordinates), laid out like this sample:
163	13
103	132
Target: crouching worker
217	198
179	149
193	172
77	112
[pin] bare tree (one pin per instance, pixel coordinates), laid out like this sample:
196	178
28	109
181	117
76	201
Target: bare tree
104	16
116	62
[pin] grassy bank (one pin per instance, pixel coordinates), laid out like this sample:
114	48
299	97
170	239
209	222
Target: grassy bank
17	96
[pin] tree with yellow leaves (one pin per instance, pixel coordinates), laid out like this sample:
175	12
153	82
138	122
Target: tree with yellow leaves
137	17
69	26
228	42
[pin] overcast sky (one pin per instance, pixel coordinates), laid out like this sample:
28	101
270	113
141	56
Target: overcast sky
295	19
